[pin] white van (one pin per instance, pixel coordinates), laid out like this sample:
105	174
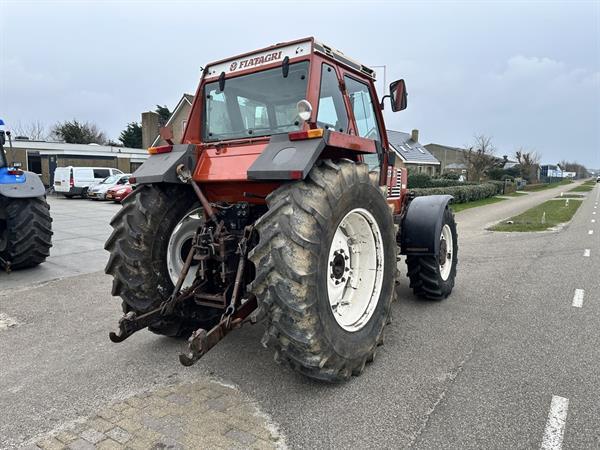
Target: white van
71	181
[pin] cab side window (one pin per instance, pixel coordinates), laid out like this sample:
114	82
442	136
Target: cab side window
332	111
363	109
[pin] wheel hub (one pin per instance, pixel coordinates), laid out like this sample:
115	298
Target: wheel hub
338	265
355	271
180	243
446	255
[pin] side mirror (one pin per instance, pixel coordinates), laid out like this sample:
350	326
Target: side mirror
398	95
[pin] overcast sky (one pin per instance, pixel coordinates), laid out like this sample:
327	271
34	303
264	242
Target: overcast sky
525	73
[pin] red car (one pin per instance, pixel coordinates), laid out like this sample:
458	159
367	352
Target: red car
118	193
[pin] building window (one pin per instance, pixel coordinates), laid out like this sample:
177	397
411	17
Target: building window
183	125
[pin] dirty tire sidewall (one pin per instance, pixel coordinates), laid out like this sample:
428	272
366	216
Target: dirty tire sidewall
138	249
291	261
424	271
353	345
28	235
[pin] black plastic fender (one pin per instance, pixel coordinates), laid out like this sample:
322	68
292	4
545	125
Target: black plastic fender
422	225
162	167
283	159
32	187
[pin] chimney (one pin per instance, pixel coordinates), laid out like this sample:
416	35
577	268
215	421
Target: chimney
415	135
150	128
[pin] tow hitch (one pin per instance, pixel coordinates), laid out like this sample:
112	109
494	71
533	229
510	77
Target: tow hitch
238	309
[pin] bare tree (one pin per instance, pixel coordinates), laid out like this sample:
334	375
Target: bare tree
480	157
573	166
529	161
34	130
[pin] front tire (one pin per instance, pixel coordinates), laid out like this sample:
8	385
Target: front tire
298	263
432	277
28	232
138	259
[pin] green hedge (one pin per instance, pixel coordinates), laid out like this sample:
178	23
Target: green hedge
422	180
462	194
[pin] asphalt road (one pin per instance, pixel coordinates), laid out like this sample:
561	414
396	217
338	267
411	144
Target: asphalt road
478	370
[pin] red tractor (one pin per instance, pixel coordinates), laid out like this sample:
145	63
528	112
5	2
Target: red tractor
282	202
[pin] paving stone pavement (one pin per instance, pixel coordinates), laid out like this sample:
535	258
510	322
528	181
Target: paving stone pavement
199	415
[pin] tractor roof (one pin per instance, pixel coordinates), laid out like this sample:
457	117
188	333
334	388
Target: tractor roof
279	52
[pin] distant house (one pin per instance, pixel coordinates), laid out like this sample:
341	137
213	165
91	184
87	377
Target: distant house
452	159
412	154
177	122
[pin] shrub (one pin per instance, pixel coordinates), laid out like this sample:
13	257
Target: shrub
450	176
461	194
421	181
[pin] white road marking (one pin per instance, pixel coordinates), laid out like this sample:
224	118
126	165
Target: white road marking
591	232
578	298
593	220
594	212
555	426
586	252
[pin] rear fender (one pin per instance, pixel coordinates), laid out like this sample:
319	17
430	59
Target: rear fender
27	185
162	167
422	225
283	159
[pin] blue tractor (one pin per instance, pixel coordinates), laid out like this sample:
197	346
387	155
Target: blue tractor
25	222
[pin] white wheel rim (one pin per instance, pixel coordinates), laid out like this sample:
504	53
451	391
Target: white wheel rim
355	269
446	258
179	245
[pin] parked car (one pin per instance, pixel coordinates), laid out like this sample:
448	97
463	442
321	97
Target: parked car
118	193
598	180
98	191
71	181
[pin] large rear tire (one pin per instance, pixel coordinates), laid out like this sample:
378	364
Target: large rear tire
432	277
322	241
138	259
27	232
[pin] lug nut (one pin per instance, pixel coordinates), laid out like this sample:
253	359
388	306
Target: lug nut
332	276
347	269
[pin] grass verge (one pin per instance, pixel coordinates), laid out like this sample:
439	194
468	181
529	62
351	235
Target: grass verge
544	186
485	201
582	188
515	194
556	212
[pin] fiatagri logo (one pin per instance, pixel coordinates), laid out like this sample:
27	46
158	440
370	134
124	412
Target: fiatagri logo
257	61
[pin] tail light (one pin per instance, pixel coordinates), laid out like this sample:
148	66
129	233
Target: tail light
161	149
309	134
15	172
71	180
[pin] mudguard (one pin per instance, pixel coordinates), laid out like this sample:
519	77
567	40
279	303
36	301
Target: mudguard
27	185
422	225
283	159
162	167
